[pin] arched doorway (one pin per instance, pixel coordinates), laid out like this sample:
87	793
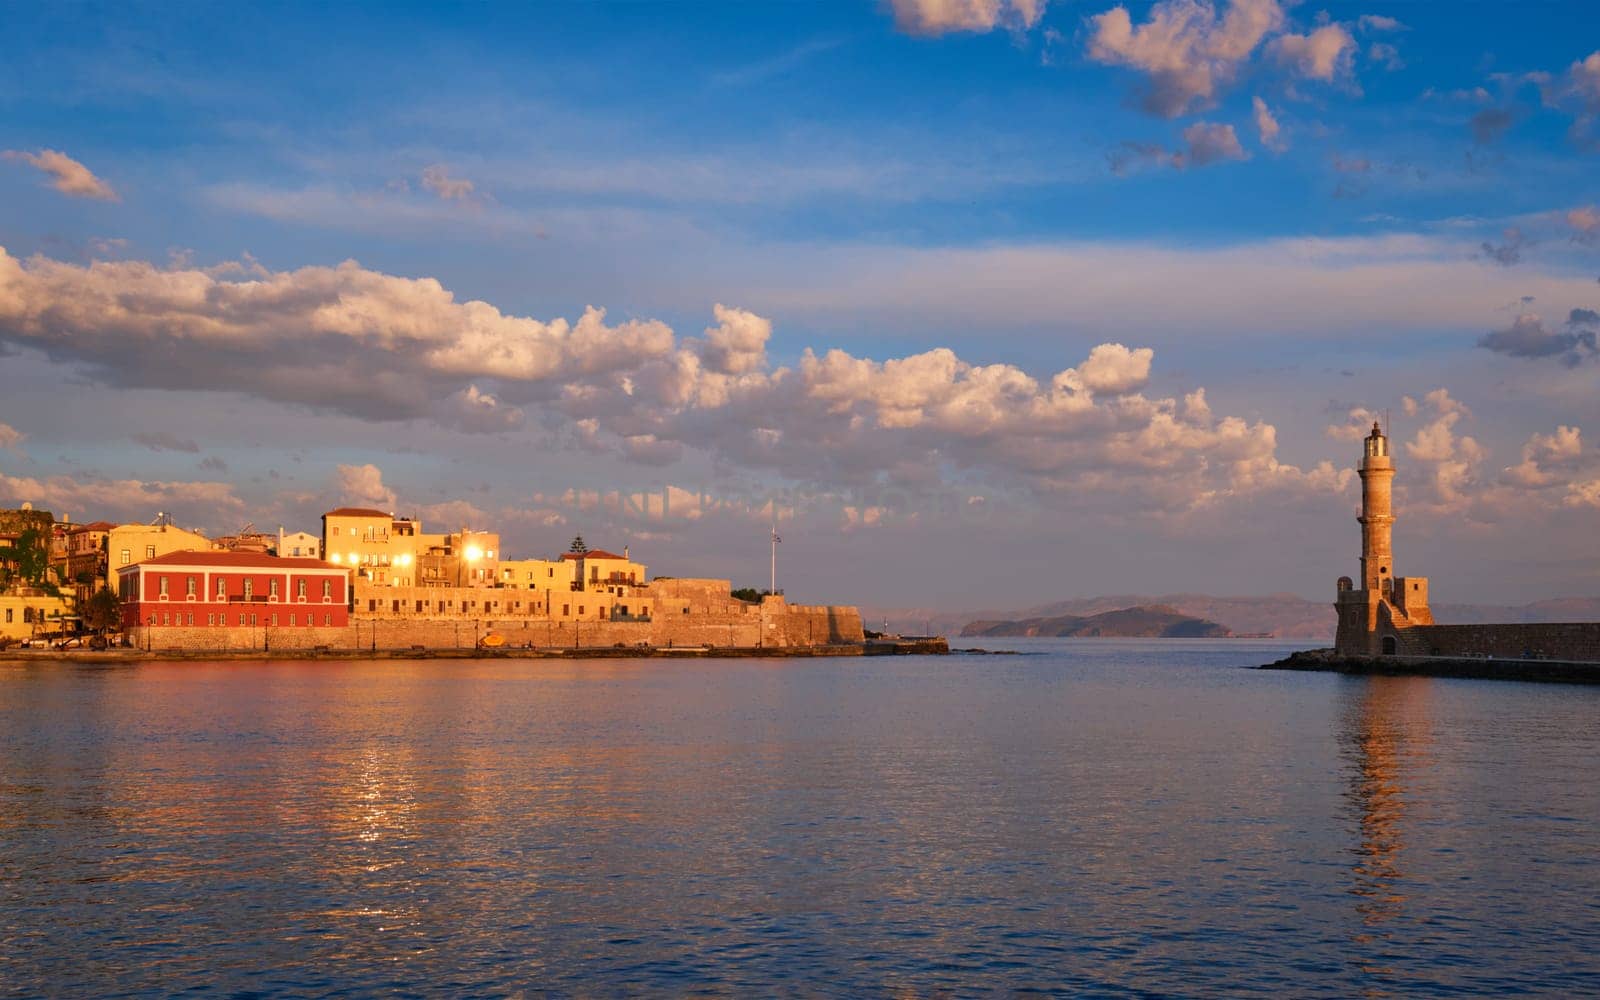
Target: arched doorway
1388	645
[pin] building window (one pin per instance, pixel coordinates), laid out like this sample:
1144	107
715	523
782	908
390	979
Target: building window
300	589
252	619
222	589
149	551
327	590
274	618
241	618
273	592
163	586
189	592
327	618
211	618
190	618
126	557
9	612
249	587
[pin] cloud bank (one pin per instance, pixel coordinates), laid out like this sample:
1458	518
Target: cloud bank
380	347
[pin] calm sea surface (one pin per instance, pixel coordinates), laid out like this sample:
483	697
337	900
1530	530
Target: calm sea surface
1119	818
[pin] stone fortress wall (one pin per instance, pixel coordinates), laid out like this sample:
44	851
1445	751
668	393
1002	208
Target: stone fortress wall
1579	641
720	624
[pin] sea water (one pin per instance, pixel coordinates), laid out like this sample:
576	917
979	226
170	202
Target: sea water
1093	817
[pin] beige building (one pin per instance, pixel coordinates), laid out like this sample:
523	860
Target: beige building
79	550
127	544
25	613
376	546
299	545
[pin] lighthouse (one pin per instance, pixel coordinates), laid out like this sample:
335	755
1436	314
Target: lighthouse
1377	513
1374	615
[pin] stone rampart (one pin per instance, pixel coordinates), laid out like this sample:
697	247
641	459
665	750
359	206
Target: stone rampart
772	623
1578	641
161	638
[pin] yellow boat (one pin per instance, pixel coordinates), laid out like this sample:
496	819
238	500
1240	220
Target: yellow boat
494	640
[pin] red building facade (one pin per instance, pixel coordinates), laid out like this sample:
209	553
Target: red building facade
233	590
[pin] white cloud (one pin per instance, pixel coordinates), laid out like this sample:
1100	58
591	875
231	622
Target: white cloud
68	175
1209	142
1585	223
476	411
11	439
738	344
940	17
362	486
1205	143
438	180
1379	22
211	503
1112	369
1449	461
1324	54
1267	126
1576	91
1541	452
638	391
1357	424
1188	52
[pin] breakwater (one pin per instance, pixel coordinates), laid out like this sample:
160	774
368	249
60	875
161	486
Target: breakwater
1482	668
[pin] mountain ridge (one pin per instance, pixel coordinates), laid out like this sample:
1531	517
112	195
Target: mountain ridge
1281	615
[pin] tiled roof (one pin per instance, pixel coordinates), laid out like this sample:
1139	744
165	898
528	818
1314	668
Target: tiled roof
591	554
236	559
357	512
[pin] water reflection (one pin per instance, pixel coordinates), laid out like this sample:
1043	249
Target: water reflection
1386	734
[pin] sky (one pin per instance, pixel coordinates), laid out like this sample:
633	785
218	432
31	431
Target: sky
989	303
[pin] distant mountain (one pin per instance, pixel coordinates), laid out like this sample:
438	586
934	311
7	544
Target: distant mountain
1153	621
1285	616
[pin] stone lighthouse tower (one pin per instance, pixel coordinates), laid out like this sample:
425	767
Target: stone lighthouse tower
1373	617
1377	513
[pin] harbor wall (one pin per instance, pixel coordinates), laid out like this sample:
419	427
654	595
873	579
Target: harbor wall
773	623
1575	641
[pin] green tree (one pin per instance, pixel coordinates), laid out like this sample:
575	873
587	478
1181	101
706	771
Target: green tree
103	612
578	545
28	557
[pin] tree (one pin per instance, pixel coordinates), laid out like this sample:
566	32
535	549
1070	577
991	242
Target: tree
578	545
103	611
749	595
29	556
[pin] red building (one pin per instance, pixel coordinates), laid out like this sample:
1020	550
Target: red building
233	589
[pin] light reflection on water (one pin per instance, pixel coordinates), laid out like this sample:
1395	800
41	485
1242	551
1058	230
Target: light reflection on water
1119	818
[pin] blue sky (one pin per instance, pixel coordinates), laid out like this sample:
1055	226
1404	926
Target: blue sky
1014	184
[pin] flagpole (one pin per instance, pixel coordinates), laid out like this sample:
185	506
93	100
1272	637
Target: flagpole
773	586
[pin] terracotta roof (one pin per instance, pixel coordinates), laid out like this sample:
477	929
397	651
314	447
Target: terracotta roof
91	526
240	559
591	554
357	512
